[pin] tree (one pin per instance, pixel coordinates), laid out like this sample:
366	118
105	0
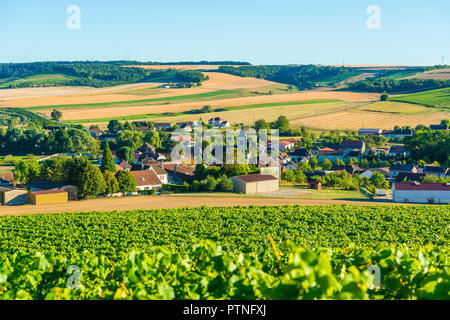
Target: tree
208	184
111	184
282	123
262	124
352	161
26	171
379	181
445	122
92	182
326	164
226	185
125	153
127	182
339	162
107	160
288	175
300	177
56	115
372	190
114	126
384	97
152	137
313	162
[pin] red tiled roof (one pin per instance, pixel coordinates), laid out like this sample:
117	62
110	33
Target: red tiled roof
347	144
422	186
7	176
256	177
146	178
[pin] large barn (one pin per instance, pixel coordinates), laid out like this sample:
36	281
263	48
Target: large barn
421	192
255	183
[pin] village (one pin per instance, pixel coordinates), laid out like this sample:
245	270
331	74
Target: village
374	162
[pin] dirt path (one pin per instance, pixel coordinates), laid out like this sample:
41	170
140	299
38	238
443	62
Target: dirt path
160	202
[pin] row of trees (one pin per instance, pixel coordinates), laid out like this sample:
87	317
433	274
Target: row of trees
35	140
303	76
341	180
391	85
78	171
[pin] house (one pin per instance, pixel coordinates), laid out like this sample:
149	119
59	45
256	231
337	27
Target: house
146	148
347	145
328	153
124	165
398	151
350	169
146	180
224	124
397	134
286	144
300	154
255	183
6	178
369	172
148	162
369	132
396	169
96	133
186	126
48	197
290	166
410	177
315	185
162	125
284	158
421	192
13	196
215	122
180	171
44	185
159	170
109	136
441	172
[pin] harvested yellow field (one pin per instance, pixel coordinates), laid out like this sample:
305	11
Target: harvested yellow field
28	93
363	119
50	97
441	74
119	111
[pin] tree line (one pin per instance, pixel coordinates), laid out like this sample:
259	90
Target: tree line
391	85
303	76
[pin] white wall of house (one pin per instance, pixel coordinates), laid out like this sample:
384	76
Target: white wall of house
420	196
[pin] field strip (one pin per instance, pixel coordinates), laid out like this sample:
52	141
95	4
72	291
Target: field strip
225	112
163	202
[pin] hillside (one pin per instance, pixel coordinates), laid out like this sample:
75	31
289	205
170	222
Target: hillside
433	98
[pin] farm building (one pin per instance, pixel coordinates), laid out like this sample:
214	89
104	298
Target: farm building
44	185
255	183
146	180
315	185
48	197
421	192
369	132
396	169
13	197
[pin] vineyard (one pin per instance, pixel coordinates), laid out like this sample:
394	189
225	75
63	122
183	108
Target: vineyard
228	253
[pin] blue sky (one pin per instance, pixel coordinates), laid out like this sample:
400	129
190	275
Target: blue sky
414	32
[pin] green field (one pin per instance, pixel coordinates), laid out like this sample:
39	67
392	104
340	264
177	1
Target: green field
228	253
439	98
395	107
183	98
175	114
